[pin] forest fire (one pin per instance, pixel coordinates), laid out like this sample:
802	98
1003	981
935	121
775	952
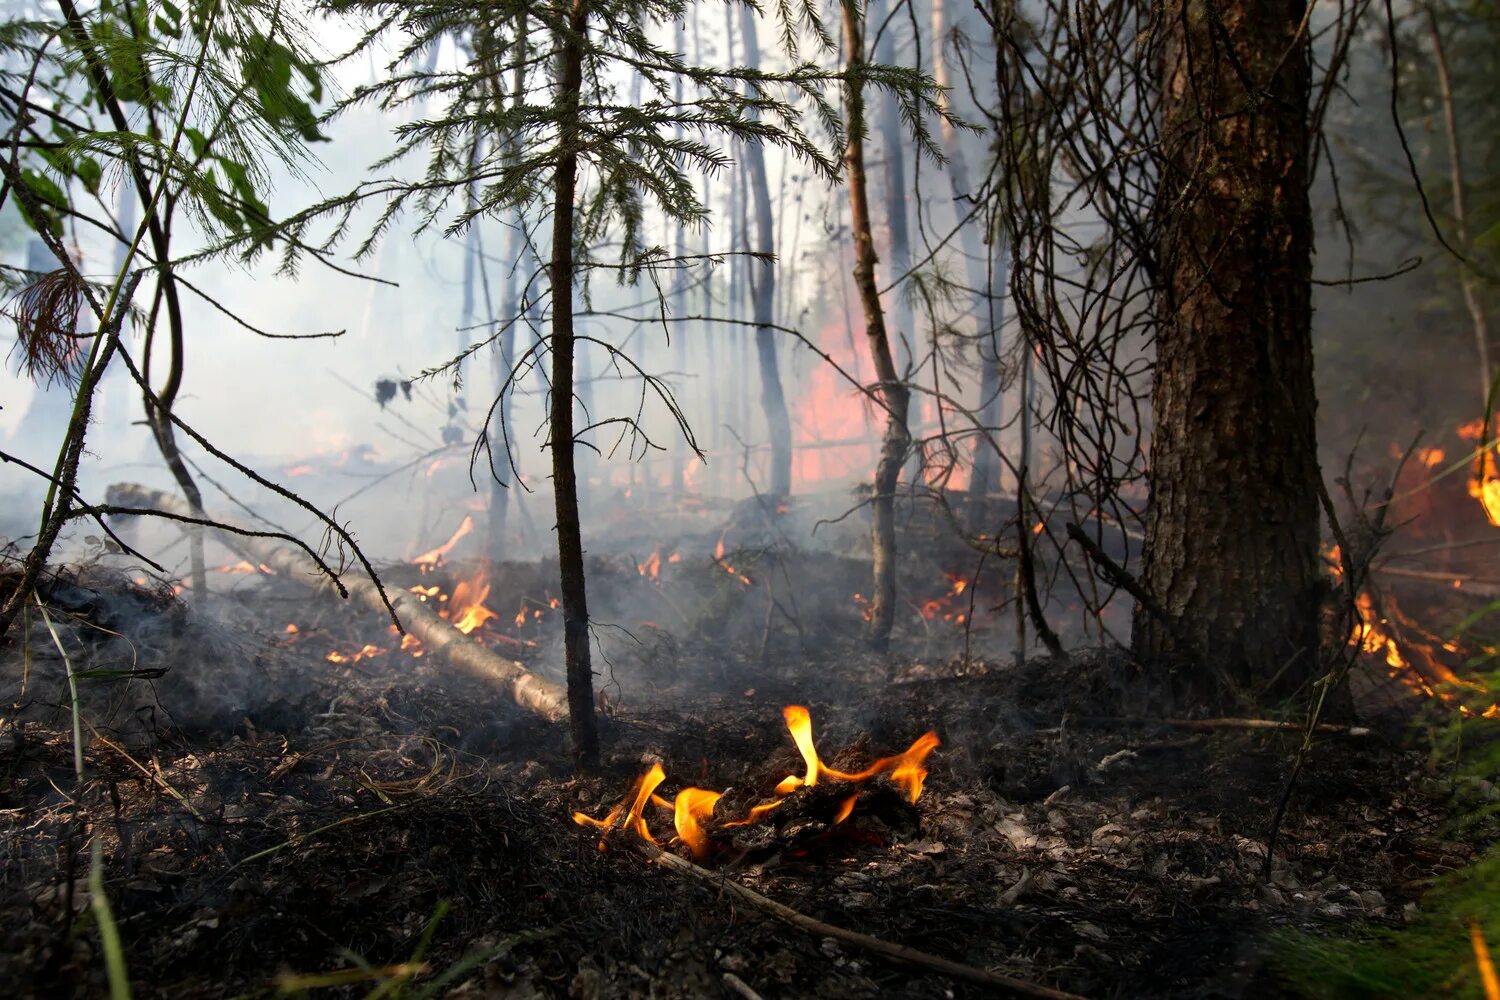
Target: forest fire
945	607
435	556
1484	484
725	566
694	807
1415	663
245	567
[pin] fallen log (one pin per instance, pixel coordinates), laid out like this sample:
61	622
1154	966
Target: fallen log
438	637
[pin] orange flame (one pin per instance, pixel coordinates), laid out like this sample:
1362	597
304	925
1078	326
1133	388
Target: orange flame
694	806
845	808
799	724
434	556
365	652
244	567
1483	962
1415	664
466	609
1484	485
633	818
945	607
651	567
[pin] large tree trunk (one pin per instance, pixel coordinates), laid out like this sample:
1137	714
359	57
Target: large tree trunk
575	607
893	394
763	293
1232	529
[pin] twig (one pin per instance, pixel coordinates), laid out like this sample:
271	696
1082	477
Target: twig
897	953
1326	728
739	987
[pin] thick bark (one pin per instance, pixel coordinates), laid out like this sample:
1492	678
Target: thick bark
438	636
1232	529
893	394
575	608
763	294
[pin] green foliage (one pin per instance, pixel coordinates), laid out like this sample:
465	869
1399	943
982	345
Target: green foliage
496	130
229	77
1432	956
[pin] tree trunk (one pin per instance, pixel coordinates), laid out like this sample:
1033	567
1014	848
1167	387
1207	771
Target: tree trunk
893	394
986	265
896	192
763	293
505	360
575	607
1232	528
1468	280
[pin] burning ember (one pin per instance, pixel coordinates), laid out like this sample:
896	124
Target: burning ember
694	807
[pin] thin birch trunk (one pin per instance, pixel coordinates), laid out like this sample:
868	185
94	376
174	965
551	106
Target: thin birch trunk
892	394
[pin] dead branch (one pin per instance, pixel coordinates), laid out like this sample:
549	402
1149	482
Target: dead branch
1326	728
530	691
890	951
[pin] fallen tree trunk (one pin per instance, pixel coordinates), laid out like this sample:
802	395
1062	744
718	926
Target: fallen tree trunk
534	693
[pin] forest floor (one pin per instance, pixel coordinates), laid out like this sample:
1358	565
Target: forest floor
272	821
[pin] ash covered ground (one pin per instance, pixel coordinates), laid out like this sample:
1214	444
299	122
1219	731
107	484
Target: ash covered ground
280	812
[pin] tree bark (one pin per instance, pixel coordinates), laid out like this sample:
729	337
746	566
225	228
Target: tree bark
892	393
1232	527
574	597
763	293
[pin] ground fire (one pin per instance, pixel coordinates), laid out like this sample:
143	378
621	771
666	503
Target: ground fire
693	807
499	500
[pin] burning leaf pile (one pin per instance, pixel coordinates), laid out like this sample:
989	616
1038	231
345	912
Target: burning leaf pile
693	809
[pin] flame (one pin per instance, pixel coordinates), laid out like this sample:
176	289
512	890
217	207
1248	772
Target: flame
1414	663
1487	492
651	567
365	652
434	556
845	808
292	630
244	567
799	724
945	607
1483	962
719	559
466	609
1484	485
633	818
692	807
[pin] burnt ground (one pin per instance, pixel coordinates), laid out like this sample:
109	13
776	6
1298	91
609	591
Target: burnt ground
266	814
